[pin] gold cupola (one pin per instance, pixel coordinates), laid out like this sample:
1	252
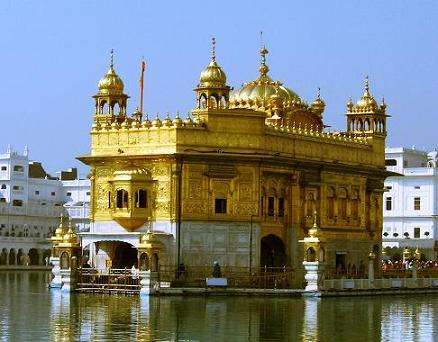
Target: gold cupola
318	105
367	101
110	101
366	116
212	91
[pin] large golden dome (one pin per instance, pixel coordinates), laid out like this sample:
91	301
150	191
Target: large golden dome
111	83
258	94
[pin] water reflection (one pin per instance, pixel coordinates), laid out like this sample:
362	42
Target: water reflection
28	311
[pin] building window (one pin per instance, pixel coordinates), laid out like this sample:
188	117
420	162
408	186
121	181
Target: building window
417	203
18	168
68	194
3	186
17	203
416	233
417	187
141	199
109	199
37	192
17	187
220	206
4	168
391	162
405	163
122	198
281	207
388	203
53	193
2	200
271	202
88	193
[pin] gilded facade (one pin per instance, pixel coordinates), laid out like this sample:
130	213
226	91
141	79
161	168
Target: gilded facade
239	180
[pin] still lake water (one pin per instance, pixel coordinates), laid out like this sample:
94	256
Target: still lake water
30	312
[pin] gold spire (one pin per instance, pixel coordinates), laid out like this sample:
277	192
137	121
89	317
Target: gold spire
112	58
213	49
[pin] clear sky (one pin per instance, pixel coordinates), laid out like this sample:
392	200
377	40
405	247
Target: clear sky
53	53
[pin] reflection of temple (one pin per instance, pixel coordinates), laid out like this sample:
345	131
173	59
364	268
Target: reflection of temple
240	182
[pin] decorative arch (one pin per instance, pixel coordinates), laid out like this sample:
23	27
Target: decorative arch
272	251
330	202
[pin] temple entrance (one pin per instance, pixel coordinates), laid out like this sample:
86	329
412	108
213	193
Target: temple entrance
33	257
125	256
273	252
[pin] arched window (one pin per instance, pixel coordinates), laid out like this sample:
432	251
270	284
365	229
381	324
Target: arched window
122	198
310	204
141	199
202	102
330	202
144	262
116	109
224	102
342	203
103	107
310	255
65	264
213	102
354	204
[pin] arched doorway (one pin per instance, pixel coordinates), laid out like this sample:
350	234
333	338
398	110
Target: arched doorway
33	257
125	256
272	252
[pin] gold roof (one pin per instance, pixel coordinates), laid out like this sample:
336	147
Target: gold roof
111	83
367	101
258	94
213	75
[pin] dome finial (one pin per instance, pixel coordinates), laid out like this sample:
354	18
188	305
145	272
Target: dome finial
318	94
112	58
367	86
213	49
263	52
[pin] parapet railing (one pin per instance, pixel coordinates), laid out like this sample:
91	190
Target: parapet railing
107	279
237	277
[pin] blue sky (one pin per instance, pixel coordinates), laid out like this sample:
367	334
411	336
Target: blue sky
53	54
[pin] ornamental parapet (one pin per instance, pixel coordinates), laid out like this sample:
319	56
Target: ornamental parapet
316	132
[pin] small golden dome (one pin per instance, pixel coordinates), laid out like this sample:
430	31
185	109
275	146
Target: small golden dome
188	121
177	122
367	101
146	123
70	236
167	122
111	83
213	75
318	105
157	122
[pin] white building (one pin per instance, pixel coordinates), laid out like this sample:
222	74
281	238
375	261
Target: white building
410	206
31	203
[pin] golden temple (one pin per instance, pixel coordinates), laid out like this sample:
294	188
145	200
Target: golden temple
238	180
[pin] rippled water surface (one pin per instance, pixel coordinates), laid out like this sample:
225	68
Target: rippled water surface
30	312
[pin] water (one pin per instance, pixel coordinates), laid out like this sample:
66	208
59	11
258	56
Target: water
30	312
